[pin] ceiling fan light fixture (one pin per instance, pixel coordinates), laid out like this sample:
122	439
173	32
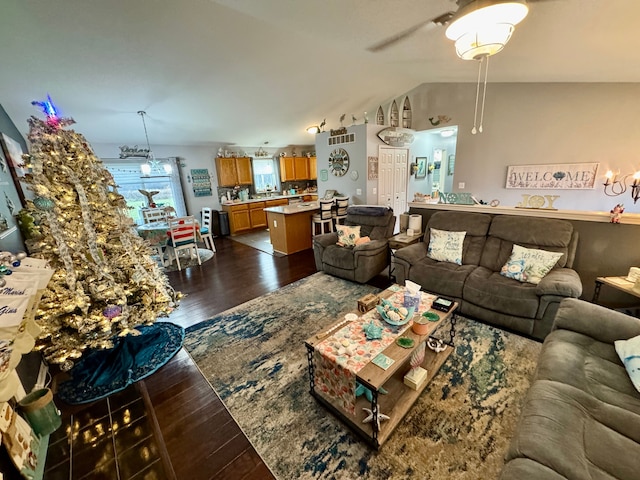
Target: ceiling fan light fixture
483	27
481	43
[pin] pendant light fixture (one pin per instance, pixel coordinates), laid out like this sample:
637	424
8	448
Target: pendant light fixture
482	28
152	166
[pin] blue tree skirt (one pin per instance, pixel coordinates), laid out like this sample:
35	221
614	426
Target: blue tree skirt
100	373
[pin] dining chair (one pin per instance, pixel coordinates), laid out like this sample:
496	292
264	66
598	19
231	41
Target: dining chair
150	215
182	236
323	218
205	229
340	211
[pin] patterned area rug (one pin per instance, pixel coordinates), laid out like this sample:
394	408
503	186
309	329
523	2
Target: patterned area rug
186	262
459	428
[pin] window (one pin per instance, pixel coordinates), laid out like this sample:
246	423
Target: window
131	176
265	175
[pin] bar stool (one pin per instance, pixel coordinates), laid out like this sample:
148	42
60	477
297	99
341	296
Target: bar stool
340	212
323	218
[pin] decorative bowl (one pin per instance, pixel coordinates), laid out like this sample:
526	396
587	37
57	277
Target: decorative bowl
396	318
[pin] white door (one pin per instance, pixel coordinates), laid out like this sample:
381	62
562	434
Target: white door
393	177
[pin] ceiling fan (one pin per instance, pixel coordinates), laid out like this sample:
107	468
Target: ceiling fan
464	6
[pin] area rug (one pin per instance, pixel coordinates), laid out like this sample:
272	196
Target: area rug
100	373
260	240
459	428
186	262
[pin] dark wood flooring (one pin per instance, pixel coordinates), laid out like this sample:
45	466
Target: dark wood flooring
184	431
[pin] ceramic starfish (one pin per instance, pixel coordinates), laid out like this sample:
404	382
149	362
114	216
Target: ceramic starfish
362	390
369	419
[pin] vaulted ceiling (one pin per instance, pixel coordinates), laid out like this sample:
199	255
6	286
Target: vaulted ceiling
250	71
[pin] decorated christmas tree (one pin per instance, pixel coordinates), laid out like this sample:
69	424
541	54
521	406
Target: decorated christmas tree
105	283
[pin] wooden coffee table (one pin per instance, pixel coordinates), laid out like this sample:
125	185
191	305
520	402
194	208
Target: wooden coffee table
400	397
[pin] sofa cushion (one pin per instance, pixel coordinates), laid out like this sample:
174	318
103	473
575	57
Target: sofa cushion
587	364
540	233
339	257
490	290
578	436
443	278
527	469
375	222
445	245
475	224
529	264
629	353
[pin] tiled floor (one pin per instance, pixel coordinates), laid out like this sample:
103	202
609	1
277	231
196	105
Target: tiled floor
112	438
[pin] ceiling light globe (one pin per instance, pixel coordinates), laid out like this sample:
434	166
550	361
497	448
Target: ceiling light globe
484	43
480	13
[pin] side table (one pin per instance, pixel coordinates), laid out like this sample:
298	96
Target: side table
398	241
619	283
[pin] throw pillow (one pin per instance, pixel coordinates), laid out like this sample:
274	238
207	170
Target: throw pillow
529	264
362	240
629	353
446	246
348	235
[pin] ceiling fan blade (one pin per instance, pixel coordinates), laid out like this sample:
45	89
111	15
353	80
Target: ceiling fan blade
432	23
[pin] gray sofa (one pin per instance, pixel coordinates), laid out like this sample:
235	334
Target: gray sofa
477	284
581	417
362	262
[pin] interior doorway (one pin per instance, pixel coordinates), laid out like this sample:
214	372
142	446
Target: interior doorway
393	177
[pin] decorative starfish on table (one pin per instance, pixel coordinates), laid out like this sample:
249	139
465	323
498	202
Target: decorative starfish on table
362	390
369	419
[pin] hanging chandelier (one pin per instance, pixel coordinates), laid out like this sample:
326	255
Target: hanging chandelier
152	167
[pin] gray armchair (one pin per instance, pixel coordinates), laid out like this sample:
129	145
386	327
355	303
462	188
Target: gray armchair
362	262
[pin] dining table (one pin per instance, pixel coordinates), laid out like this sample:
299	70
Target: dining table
157	232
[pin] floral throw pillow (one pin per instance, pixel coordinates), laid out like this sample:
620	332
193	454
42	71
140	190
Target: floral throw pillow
446	246
348	236
629	353
529	264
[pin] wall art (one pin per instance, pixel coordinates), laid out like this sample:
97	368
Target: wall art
563	176
421	164
201	182
372	168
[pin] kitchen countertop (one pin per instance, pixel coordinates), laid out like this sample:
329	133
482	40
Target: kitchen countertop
295	208
264	199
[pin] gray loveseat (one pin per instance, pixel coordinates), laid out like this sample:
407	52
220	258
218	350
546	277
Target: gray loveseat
581	417
362	262
477	284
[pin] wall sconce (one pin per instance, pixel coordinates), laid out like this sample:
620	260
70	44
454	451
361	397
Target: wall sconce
314	129
614	187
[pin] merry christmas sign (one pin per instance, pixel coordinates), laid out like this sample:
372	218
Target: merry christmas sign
565	176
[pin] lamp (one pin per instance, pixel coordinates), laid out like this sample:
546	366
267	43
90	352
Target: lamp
152	165
480	29
483	27
614	187
314	129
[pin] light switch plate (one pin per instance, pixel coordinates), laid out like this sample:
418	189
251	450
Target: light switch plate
461	184
358	191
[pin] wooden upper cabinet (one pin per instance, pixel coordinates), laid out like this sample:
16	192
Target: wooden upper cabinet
234	171
287	169
301	167
245	174
313	168
226	168
297	168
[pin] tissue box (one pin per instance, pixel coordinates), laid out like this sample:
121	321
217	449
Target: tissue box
634	274
415	378
411	300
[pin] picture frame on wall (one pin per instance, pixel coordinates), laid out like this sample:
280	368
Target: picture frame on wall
451	161
421	171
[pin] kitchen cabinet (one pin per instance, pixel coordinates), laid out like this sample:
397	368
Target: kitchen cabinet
276	203
297	168
234	171
257	214
239	219
313	168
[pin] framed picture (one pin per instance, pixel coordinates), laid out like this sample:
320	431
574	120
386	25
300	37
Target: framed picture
451	161
13	157
329	194
421	162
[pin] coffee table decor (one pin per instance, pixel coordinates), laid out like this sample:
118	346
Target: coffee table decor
336	372
394	315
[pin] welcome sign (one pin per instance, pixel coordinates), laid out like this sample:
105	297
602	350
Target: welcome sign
564	176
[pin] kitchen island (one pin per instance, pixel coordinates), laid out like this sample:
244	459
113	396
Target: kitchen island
290	226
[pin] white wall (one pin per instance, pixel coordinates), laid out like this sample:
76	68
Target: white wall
527	123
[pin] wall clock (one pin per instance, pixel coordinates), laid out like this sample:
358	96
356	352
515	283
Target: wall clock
339	162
